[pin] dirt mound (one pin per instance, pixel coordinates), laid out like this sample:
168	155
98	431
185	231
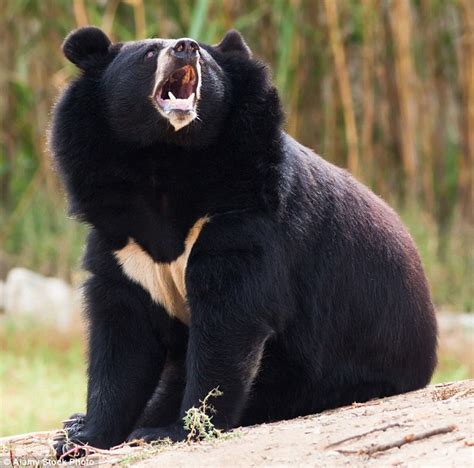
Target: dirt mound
430	427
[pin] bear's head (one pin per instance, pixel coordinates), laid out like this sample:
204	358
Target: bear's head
171	90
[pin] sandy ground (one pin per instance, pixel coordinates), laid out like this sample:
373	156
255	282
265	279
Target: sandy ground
430	427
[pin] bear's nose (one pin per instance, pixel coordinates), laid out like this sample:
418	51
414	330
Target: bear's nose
185	47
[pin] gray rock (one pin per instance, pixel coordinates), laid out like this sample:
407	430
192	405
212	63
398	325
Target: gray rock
29	294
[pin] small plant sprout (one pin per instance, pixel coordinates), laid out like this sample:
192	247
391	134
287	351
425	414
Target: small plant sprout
198	421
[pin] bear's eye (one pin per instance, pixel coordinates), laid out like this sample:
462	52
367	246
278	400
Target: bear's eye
149	54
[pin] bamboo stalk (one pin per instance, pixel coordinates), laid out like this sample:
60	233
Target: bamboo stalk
368	77
109	16
384	120
400	20
139	16
344	85
80	13
443	205
466	74
383	141
295	76
426	93
330	121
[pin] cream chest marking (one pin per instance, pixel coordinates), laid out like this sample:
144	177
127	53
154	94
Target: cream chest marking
163	281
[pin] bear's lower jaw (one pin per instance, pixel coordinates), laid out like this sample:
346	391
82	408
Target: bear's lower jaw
180	119
179	114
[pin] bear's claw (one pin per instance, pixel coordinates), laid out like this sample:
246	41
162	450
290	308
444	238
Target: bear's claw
66	444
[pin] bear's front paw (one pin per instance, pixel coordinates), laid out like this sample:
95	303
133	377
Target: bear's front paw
74	439
67	442
149	434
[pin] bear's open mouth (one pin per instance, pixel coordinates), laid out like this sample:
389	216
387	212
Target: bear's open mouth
178	92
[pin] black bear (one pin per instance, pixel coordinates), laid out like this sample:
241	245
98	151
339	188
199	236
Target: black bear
222	253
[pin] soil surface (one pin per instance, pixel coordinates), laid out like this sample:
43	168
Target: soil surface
430	427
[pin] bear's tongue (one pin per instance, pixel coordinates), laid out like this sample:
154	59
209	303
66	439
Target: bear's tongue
179	90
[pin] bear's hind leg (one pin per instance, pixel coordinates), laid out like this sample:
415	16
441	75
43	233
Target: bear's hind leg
357	393
303	400
163	407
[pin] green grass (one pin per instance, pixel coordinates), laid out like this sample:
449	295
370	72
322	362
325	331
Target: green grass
42	378
450	368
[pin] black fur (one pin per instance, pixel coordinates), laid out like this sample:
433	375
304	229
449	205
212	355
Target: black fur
87	48
305	290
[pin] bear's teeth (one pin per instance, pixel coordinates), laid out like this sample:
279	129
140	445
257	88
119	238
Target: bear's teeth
173	98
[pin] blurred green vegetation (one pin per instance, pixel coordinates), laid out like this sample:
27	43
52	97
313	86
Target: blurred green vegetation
42	377
383	87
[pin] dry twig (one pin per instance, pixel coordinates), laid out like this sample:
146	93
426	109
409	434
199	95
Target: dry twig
398	443
358	436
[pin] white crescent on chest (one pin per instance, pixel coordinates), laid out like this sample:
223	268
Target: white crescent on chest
165	282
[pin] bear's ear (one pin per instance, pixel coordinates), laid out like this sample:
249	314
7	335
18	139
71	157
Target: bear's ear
234	42
86	47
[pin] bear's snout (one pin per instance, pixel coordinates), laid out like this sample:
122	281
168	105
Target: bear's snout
185	48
